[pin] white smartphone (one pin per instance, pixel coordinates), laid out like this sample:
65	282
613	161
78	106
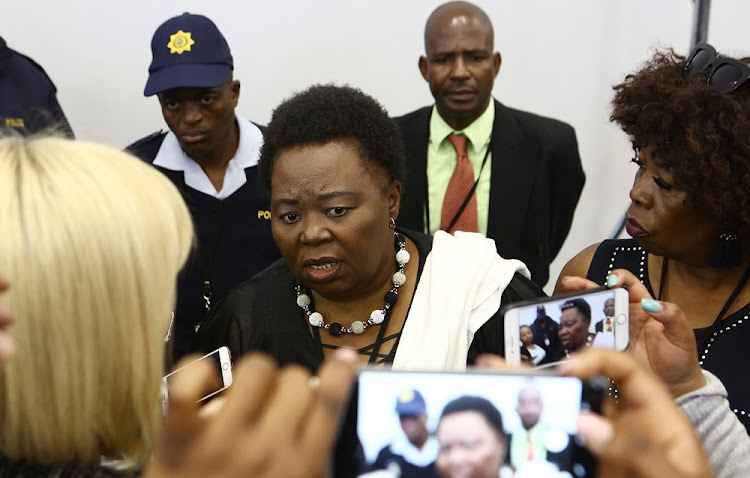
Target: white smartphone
407	423
220	358
548	330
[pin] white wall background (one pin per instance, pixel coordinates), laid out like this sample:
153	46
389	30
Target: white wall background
560	58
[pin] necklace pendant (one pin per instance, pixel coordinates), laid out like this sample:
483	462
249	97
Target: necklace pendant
377	316
316	319
357	327
335	329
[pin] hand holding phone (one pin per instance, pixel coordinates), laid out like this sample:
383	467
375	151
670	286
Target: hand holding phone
662	340
448	423
548	330
221	361
646	435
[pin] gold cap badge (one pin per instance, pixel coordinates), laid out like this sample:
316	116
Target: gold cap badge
406	396
180	42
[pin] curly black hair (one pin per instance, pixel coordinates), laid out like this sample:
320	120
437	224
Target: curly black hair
323	113
700	133
482	406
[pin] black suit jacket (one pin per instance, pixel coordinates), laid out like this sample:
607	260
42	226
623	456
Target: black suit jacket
535	183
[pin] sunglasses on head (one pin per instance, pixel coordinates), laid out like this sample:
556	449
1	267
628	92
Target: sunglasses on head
725	74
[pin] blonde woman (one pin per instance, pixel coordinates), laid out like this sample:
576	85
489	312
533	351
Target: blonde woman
92	240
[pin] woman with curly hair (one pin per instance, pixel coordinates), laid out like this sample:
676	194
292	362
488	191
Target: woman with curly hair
689	121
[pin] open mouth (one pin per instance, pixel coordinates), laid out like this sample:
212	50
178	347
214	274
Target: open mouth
322	267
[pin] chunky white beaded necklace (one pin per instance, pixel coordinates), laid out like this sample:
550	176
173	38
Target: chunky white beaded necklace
378	315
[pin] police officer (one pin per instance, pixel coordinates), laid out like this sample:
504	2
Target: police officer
211	155
413	453
28	101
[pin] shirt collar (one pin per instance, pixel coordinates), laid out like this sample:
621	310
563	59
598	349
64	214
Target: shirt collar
479	132
171	156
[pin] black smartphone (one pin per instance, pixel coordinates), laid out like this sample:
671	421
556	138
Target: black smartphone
473	423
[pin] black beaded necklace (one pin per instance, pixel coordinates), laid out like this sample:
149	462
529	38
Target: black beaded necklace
377	316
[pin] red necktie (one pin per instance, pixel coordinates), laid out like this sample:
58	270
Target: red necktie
530	446
459	186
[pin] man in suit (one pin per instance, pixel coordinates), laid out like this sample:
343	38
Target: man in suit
211	154
536	441
527	173
606	324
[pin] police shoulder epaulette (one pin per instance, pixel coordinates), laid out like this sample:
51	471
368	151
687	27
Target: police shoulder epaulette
147	139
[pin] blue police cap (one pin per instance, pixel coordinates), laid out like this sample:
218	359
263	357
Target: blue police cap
188	51
410	403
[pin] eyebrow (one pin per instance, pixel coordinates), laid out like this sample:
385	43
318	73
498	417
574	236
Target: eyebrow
322	197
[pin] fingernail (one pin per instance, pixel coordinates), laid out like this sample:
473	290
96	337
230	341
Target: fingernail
346	354
564	279
612	281
650	305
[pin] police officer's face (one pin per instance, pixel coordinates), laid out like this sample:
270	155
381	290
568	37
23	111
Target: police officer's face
415	428
202	118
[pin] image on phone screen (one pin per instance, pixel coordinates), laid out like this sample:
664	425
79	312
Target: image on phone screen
547	331
468	424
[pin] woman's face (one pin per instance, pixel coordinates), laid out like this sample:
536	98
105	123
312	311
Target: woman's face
662	219
526	335
469	447
330	218
573	330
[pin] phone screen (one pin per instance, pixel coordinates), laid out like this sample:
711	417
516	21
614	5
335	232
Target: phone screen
549	331
446	424
221	363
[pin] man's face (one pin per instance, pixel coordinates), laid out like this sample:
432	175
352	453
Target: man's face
460	67
609	308
415	428
529	406
201	118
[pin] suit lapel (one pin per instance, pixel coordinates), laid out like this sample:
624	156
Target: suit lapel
417	133
514	160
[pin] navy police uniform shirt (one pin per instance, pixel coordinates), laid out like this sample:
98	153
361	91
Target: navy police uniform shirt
28	101
233	238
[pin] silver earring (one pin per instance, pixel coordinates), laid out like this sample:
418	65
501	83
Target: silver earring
392	225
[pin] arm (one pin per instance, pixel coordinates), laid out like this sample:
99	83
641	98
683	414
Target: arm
724	438
578	266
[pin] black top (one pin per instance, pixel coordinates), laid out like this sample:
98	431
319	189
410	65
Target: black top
726	353
400	466
234	242
28	101
262	314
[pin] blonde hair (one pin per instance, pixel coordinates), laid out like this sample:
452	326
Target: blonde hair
91	240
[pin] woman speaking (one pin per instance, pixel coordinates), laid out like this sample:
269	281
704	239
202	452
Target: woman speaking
334	165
